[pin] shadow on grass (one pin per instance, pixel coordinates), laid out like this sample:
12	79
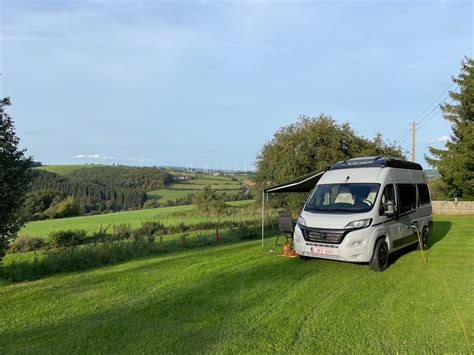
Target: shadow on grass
193	316
440	230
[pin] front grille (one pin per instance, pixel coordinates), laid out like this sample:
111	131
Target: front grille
323	236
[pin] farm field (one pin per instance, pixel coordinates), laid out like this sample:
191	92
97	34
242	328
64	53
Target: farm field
166	215
65	169
239	298
176	191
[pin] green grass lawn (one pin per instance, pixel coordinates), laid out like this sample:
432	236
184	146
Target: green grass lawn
65	169
238	298
167	215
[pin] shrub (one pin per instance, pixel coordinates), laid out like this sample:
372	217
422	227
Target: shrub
216	207
439	189
68	238
66	208
208	201
24	244
121	231
245	231
151	204
148	230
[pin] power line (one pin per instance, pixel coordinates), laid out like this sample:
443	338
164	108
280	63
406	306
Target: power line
402	134
432	110
434	102
423	115
428	120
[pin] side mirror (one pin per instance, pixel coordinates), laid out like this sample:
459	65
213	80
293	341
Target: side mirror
389	208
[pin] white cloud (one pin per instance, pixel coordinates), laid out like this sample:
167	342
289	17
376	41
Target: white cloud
95	156
442	139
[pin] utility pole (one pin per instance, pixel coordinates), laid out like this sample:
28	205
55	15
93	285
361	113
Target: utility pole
413	140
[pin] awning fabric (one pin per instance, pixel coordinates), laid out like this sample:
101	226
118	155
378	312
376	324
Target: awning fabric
304	183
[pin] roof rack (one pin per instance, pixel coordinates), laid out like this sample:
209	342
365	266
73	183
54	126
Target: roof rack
372	162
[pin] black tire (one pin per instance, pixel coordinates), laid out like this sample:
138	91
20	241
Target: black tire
425	234
380	258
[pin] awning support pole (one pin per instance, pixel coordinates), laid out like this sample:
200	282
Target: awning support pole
263	215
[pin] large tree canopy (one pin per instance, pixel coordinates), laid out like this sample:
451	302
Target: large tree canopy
456	162
310	144
15	175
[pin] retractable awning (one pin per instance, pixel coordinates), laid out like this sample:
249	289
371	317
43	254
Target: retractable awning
304	183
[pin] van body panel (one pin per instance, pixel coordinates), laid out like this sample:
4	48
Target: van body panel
357	245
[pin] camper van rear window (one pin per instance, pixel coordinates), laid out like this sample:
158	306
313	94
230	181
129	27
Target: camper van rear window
350	198
423	195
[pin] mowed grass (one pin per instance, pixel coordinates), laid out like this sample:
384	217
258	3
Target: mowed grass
166	215
65	169
238	298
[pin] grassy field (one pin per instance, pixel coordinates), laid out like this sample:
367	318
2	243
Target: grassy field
175	191
65	169
166	215
238	298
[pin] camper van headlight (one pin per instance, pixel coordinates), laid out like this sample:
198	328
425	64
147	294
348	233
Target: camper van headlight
301	221
361	223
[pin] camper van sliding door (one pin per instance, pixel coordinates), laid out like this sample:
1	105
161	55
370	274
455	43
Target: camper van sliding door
407	208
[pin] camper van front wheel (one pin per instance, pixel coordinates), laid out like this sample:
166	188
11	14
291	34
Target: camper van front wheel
380	258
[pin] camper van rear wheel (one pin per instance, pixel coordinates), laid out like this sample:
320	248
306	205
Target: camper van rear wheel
380	258
424	239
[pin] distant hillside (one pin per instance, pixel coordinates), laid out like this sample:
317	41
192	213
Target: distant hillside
90	189
65	169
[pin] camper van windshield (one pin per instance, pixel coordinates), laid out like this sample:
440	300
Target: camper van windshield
343	198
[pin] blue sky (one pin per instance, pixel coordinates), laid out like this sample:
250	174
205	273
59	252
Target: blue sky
189	83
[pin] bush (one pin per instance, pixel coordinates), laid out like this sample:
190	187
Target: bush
208	201
68	238
148	230
24	244
246	231
121	231
151	204
66	208
439	189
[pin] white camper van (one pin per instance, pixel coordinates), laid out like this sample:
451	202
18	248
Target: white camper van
364	209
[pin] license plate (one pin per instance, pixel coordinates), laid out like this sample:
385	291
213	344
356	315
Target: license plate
323	251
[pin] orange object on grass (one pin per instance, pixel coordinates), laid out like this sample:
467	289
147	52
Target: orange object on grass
286	249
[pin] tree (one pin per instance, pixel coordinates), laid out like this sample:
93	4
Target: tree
310	144
15	175
208	201
456	163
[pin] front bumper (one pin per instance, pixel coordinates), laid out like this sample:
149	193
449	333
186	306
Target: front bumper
355	247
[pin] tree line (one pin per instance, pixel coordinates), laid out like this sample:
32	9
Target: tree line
91	191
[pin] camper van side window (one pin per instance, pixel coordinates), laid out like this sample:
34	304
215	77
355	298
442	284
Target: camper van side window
423	195
406	197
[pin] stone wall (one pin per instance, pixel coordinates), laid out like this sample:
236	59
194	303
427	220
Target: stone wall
453	207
